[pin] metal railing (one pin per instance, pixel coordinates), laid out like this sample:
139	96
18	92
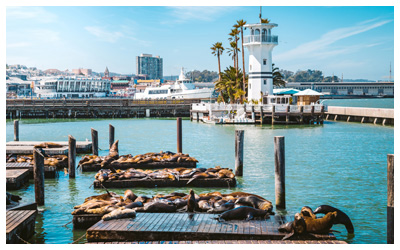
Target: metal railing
249	107
260	38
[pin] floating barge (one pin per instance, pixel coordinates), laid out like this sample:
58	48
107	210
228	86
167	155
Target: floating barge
189	227
152	183
49	171
20	224
151	165
16	178
26	147
84	221
225	242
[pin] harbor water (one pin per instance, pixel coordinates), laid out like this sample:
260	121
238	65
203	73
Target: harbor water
339	164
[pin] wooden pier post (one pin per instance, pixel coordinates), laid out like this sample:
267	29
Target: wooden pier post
301	115
261	115
197	116
253	115
38	175
71	156
179	134
279	146
95	142
322	115
273	115
16	130
287	114
390	197
239	140
312	113
111	132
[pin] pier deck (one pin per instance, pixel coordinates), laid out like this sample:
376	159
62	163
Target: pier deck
226	242
27	146
16	178
49	171
188	227
151	165
150	183
19	224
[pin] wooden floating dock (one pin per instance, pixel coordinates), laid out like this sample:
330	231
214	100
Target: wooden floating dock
188	226
20	224
26	147
152	183
378	116
22	206
227	242
151	165
84	221
49	171
16	178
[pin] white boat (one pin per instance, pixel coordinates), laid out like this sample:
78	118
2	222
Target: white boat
183	88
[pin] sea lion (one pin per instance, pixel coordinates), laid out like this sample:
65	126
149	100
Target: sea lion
114	150
255	202
341	217
204	205
243	213
295	228
320	226
48	145
157	207
223	207
129	195
306	211
191	202
120	213
134	204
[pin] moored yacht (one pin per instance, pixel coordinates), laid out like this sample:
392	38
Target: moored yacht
183	88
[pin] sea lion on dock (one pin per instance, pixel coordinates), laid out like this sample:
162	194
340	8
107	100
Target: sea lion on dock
204	205
120	213
306	211
114	150
295	228
129	195
243	213
341	217
134	204
255	202
157	207
48	145
320	226
223	207
191	202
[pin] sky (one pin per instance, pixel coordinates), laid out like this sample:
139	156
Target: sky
357	42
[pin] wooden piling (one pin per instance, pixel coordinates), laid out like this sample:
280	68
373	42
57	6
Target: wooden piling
287	114
273	115
111	132
16	130
390	197
179	134
38	173
261	115
301	115
95	142
239	140
71	156
279	145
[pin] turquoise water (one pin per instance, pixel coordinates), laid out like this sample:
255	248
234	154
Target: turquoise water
387	103
337	163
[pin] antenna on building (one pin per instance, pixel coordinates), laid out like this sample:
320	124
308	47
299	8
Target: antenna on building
260	14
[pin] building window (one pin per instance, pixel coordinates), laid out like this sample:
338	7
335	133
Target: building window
265	61
265	82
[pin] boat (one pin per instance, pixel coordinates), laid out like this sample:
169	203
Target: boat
183	88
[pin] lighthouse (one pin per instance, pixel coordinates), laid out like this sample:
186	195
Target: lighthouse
260	43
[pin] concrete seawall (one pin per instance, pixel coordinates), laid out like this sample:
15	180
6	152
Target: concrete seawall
363	115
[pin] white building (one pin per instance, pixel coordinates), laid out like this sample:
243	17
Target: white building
260	43
72	87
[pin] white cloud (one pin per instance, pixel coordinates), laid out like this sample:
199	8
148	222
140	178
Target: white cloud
45	35
321	45
18	45
183	14
39	14
102	34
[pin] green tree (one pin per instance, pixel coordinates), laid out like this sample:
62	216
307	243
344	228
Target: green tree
277	77
229	87
217	50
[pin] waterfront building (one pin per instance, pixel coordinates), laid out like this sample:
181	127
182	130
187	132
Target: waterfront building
356	89
260	43
72	87
148	65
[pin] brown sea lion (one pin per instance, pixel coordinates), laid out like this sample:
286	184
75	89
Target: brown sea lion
306	211
134	204
320	226
120	213
222	206
295	228
157	207
243	213
114	150
129	195
48	145
255	202
204	205
341	217
191	202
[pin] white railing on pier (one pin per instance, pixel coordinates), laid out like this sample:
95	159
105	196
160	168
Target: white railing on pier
307	109
294	109
280	107
317	108
267	108
260	38
257	108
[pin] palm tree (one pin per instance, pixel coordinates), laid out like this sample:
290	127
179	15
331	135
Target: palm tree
240	24
277	77
232	52
234	37
229	86
217	50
